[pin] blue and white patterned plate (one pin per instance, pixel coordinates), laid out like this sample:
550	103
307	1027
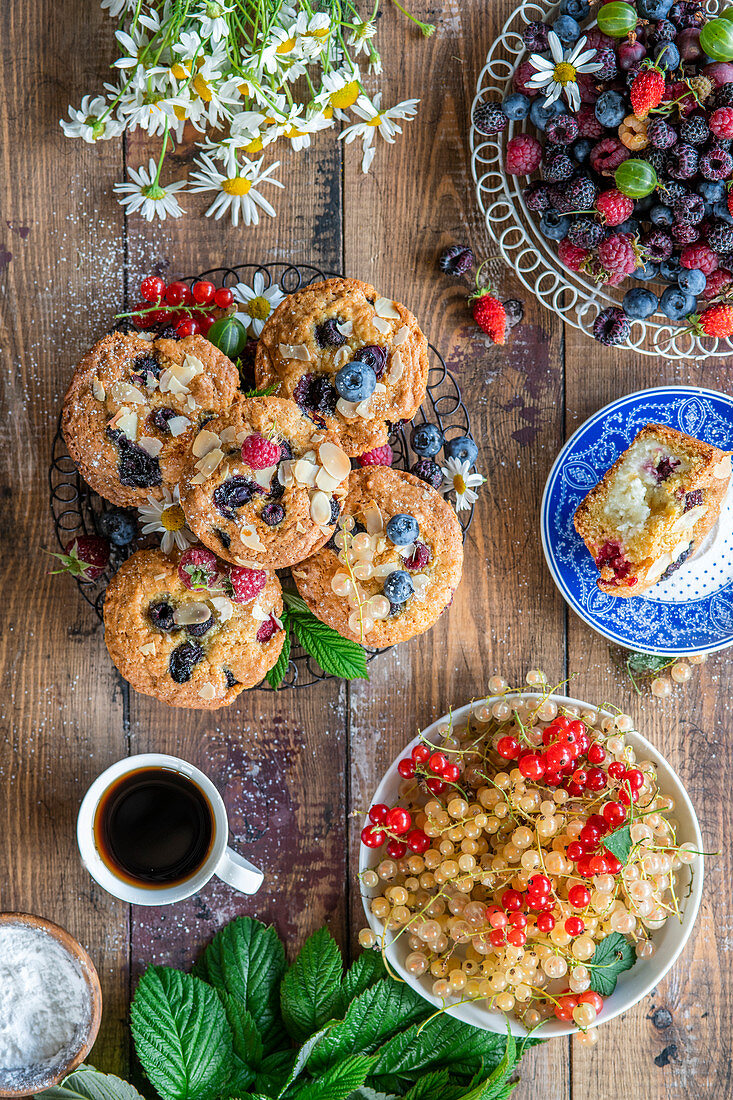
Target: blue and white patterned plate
692	611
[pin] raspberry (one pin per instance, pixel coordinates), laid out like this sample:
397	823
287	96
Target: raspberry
429	471
558	169
607	155
647	91
717	320
456	260
663	32
523	155
717	282
522	75
716	164
559	198
535	37
685	234
695	130
585	233
701	256
266	631
588	88
562	130
720	237
581	193
721	122
588	124
419	557
597	40
243	584
605	57
661	134
488	118
378	456
617	254
260	453
702	88
571	255
611	326
198	568
657	245
614	207
681	162
536	198
689	209
685	14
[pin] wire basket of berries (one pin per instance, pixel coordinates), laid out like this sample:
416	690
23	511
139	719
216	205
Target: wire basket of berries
602	153
229	306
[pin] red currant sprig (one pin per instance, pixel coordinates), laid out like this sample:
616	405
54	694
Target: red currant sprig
189	311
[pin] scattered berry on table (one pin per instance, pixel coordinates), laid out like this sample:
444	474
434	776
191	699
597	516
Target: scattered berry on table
85	556
117	526
523	155
514	310
489	314
243	584
198	568
488	118
456	260
259	453
379	456
461	448
611	326
402	529
398	587
355	381
426	439
428	471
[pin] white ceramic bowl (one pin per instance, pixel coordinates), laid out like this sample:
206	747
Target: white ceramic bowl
632	985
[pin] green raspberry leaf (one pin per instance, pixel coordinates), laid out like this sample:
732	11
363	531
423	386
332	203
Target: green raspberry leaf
87	1083
310	990
619	843
337	1083
613	955
336	655
276	674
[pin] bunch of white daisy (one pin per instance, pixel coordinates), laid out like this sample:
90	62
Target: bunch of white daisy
245	75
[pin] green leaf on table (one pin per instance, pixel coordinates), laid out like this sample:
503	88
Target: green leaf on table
88	1083
495	1086
364	1092
302	1057
310	990
336	655
276	674
338	1082
612	956
619	843
441	1042
181	1035
367	970
247	960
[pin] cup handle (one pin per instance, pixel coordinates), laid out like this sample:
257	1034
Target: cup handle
238	872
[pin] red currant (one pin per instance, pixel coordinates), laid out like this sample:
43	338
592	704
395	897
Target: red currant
634	778
373	838
223	297
420	754
519	919
598	864
417	841
437	762
582	866
590	997
575	850
564	1007
558	756
596	753
614	814
589	836
623	796
511	900
596	780
396	849
406	768
517	937
178	294
497	938
435	786
616	769
574	926
203	292
613	865
532	766
398	820
206	323
545	922
497	919
378	813
189	327
540	884
152	288
451	773
580	777
579	896
508	747
596	821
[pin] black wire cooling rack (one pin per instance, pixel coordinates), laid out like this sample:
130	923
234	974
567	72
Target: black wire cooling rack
76	508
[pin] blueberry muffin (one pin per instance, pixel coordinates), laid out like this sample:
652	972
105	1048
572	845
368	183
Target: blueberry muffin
653	509
189	630
134	407
264	486
353	361
393	564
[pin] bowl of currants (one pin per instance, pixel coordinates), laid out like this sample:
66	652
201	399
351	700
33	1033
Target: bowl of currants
531	861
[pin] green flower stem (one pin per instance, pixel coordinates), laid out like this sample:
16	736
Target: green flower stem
425	28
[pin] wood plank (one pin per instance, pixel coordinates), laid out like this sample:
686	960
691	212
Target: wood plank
60	266
506	616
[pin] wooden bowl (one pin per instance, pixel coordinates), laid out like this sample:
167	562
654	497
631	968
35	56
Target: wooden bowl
77	952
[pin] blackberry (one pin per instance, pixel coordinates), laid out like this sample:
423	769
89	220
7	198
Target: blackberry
314	393
693	499
488	118
607	58
661	135
655	157
536	198
720	237
514	310
182	660
160	614
429	471
657	245
681	162
146	364
136	468
167	332
456	260
586	233
559	199
554	149
562	130
716	164
160	417
723	96
695	130
328	334
197	630
676	564
685	234
234	493
661	32
223	537
535	37
685	14
689	209
558	169
672	191
582	193
230	679
611	327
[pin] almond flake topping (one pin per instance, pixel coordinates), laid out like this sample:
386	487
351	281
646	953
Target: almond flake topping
206	466
295	351
285	474
400	336
373	519
126	421
152	446
192	365
177	425
204	442
325	481
346	328
334	460
362	409
305	472
384	307
259	613
320	508
223	607
228	434
317	438
396	367
722	469
148	649
192	613
127	394
206	691
98	390
264	477
346	408
342	356
249	538
381	325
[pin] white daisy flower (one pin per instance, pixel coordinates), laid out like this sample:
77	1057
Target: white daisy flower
147	197
280	48
210	20
116	8
558	74
136	43
148	105
377	119
340	90
236	189
459	479
166	516
312	32
257	303
360	35
89	123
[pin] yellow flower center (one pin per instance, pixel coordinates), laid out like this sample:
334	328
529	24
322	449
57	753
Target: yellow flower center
328	112
259	308
180	71
180	113
254	146
243	90
564	73
172	518
322	32
346	96
285	46
294	132
236	186
202	88
376	121
459	484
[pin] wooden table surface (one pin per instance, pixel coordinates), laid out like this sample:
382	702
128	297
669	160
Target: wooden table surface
291	767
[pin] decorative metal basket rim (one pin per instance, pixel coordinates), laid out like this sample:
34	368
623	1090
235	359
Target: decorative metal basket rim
511	226
74	505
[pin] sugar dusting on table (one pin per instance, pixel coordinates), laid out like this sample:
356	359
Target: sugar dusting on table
45	1007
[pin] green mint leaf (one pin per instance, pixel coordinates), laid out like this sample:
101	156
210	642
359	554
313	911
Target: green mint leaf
431	1086
374	1016
441	1042
337	1083
247	960
181	1035
87	1083
368	969
336	655
310	990
276	674
619	843
612	956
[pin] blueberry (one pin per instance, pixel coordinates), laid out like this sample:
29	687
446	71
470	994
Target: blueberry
429	471
197	630
711	190
182	660
639	303
398	587
647	273
581	150
670	269
462	448
630	226
541	115
328	335
653	9
668	55
516	106
161	615
643	206
554	225
661	214
578	9
136	469
315	394
611	109
676	304
720	209
117	526
375	357
567	29
692	281
160	417
272	514
402	529
676	564
355	381
426	440
234	493
145	364
230	679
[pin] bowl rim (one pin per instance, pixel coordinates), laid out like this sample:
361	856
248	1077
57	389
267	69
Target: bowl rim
691	904
91	977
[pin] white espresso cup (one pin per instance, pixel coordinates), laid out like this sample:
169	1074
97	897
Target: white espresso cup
219	859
